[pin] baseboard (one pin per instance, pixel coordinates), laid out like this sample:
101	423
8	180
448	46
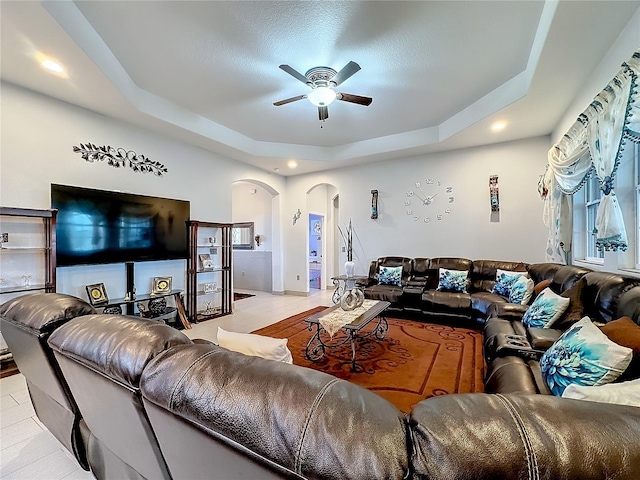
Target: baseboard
279	292
297	293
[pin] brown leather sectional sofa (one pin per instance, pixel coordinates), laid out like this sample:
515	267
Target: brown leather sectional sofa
133	398
512	351
418	298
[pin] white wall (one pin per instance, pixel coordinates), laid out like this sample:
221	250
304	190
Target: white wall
627	42
467	232
38	134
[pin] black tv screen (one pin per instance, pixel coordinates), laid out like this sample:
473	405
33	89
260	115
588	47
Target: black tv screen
97	226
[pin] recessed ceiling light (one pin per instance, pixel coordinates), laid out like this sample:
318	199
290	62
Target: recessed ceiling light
276	169
52	66
498	126
292	164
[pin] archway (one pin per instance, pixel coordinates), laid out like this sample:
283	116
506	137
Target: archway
259	268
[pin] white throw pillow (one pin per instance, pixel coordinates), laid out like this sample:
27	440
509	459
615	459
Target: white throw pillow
583	355
255	345
545	309
623	393
521	290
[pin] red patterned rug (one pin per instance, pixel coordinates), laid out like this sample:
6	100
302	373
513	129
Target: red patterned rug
415	360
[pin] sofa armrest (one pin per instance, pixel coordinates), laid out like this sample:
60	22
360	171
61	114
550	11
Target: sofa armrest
508	311
542	338
524	436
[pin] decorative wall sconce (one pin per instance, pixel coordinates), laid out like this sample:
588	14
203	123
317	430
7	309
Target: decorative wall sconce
493	193
296	216
374	204
257	239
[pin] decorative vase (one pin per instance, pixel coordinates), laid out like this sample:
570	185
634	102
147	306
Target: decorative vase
349	267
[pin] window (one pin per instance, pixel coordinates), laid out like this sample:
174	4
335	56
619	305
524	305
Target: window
585	206
593	194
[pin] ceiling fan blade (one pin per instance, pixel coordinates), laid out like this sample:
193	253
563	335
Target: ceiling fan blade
295	74
348	70
289	100
323	113
348	97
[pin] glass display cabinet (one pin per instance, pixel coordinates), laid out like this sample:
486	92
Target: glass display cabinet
209	290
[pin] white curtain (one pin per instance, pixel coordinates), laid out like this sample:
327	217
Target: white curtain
592	146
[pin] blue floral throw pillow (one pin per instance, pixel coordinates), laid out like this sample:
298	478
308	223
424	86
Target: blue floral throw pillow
545	309
583	355
390	276
521	290
504	280
452	280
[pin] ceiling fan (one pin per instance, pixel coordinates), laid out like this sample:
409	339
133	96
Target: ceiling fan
322	81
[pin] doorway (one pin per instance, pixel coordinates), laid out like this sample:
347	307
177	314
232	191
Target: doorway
316	229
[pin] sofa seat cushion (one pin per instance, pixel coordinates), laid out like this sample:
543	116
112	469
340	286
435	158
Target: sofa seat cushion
458	303
388	293
514	375
481	302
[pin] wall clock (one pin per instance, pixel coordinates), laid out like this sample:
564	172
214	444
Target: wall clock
430	201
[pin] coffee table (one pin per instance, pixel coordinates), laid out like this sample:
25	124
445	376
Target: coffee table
317	346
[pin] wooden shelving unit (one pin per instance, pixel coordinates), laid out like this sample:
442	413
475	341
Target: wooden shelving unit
209	290
27	259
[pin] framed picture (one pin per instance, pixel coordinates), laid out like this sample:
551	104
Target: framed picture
161	285
205	261
97	294
210	287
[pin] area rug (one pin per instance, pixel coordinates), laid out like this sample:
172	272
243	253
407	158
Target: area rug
240	296
415	360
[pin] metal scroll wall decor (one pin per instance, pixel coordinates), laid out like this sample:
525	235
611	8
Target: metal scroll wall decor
374	204
119	157
493	192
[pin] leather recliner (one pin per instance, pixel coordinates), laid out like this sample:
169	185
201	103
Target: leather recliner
102	357
27	323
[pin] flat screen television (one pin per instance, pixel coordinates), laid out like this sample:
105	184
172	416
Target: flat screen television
98	226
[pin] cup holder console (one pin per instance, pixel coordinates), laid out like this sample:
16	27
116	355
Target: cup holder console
517	341
508	344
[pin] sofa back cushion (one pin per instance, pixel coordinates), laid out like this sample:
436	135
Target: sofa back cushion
404	262
566	276
603	297
420	272
542	271
529	436
306	421
449	263
483	273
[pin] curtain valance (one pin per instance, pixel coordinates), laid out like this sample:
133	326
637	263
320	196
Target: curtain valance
592	146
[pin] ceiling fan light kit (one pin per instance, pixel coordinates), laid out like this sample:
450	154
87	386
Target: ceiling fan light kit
322	81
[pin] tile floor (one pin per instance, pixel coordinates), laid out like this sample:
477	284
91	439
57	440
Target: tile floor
29	452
